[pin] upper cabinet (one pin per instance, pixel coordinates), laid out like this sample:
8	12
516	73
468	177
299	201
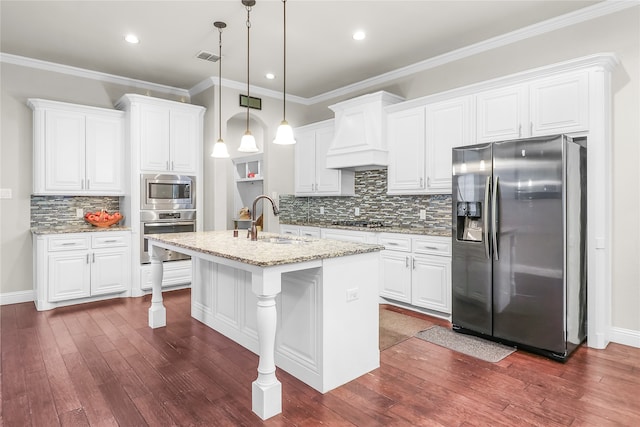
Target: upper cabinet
169	133
312	177
77	150
546	106
420	142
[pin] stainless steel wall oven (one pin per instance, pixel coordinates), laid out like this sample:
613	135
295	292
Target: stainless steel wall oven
159	222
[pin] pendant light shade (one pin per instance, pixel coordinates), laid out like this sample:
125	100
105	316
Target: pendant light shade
248	142
284	134
220	148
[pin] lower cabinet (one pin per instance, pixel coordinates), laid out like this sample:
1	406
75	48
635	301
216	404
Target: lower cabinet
81	267
174	273
416	270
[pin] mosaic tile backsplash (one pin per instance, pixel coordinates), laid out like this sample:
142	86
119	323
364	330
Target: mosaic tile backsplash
60	211
374	203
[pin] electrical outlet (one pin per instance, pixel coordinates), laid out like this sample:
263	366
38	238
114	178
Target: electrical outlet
352	294
5	193
423	214
321	210
356	211
79	213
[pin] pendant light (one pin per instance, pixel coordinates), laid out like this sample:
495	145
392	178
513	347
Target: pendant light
220	148
248	142
284	134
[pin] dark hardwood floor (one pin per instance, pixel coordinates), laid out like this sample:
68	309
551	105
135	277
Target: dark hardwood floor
99	364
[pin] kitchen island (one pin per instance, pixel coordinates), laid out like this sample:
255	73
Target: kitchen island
308	306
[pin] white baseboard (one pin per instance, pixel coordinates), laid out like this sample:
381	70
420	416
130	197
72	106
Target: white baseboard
16	297
625	336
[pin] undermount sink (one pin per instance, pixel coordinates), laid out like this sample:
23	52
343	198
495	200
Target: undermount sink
282	241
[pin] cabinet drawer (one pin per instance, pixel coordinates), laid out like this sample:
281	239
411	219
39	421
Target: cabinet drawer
396	243
432	246
109	240
68	243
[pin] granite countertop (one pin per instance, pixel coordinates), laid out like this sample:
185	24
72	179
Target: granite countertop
264	252
84	228
425	231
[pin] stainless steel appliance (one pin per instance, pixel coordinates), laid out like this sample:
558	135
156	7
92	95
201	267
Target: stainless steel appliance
167	192
519	243
159	222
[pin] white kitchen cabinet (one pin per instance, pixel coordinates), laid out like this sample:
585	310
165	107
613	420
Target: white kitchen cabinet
448	125
312	177
77	150
406	135
416	271
545	106
560	104
168	133
81	267
502	113
420	140
348	235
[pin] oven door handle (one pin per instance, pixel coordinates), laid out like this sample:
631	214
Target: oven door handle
164	224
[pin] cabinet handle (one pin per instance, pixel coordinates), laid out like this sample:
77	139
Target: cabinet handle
530	128
421	182
171	164
431	247
392	244
82	184
413	263
87	258
167	164
69	244
88	184
428	181
406	262
520	130
110	241
93	257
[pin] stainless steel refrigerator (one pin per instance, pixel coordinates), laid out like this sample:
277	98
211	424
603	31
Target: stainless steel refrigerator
519	243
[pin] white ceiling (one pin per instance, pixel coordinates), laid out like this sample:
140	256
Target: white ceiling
321	55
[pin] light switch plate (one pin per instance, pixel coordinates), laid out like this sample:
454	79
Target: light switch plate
5	193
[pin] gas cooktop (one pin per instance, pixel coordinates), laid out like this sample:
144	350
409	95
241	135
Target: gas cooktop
360	223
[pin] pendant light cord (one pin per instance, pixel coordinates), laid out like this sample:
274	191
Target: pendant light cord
284	67
220	84
248	56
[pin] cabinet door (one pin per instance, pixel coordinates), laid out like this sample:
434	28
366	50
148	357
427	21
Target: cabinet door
110	271
502	114
105	149
64	151
395	275
184	142
560	104
406	139
154	138
305	163
448	125
327	180
431	283
69	275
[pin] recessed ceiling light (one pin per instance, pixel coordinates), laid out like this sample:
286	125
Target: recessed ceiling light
359	35
270	76
132	38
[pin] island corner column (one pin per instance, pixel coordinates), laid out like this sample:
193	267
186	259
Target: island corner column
157	311
266	390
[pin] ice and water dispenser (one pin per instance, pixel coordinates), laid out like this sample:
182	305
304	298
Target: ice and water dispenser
469	221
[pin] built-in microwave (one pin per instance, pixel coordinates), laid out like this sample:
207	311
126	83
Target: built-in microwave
167	192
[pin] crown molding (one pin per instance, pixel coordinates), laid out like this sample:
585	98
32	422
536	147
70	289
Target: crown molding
598	10
90	74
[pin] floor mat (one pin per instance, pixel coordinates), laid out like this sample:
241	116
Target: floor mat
396	327
467	344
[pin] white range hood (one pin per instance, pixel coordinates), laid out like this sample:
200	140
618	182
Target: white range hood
359	141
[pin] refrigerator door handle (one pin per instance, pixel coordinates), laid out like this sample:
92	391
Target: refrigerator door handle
494	216
485	215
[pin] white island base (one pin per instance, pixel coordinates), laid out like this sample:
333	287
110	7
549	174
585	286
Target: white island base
315	319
